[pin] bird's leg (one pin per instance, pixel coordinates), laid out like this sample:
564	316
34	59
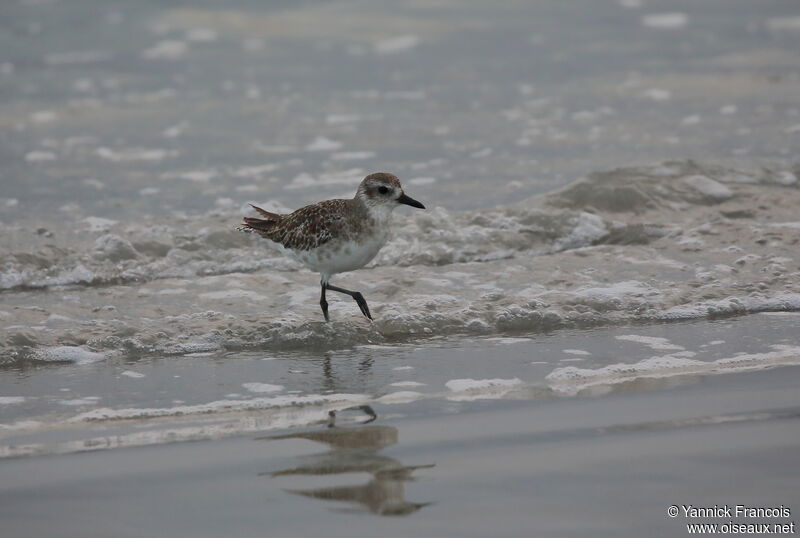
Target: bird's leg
323	303
360	301
368	410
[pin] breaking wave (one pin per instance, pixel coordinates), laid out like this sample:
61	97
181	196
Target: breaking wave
672	241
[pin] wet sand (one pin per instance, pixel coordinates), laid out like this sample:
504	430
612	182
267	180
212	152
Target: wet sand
574	433
587	466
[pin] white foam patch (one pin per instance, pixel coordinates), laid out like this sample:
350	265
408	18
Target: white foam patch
691	120
40	156
322	143
588	229
673	20
342	119
301	297
255	171
653	342
166	50
619	289
198	176
132	374
135	154
233	294
11	400
394	45
403	396
657	94
193	349
708	187
571	380
399	368
575	352
171	291
508	340
733	305
262	387
88	400
219	406
79	274
353	155
480	389
75	354
44	116
785	178
20	425
99	224
407	384
784	24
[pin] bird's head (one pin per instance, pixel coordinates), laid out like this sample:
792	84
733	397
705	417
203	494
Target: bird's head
382	190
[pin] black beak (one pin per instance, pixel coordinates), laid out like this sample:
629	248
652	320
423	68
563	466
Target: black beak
405	199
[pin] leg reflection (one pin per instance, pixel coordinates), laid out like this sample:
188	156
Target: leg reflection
356	449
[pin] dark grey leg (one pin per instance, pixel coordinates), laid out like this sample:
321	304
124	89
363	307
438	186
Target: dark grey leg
360	301
323	303
369	411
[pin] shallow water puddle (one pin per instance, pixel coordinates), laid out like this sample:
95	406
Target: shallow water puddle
161	400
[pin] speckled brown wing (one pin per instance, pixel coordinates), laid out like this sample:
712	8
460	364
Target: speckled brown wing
307	228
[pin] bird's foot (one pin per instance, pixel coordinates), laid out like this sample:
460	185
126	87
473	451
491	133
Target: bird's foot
362	304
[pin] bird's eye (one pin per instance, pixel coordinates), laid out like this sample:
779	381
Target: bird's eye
383	190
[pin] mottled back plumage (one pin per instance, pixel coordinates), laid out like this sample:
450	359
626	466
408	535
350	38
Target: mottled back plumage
311	226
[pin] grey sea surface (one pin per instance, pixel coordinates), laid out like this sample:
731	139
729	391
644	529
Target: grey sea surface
124	109
606	460
595	319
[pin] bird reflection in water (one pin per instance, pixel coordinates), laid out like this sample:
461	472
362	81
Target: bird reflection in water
354	449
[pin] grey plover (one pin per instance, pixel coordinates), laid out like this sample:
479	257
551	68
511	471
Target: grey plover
336	236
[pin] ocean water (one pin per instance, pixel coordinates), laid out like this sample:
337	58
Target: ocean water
674	241
68	408
612	190
575	433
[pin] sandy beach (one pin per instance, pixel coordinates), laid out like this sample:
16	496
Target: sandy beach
603	452
587	466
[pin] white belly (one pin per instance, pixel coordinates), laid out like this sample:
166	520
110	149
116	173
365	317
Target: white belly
340	256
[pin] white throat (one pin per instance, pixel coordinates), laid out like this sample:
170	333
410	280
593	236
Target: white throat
381	212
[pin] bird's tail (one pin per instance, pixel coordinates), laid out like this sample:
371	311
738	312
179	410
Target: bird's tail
252	224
